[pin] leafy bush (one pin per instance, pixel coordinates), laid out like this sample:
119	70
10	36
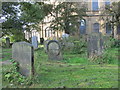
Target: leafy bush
2	42
108	57
116	44
109	42
79	45
112	43
14	77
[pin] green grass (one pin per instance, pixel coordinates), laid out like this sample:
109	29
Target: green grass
74	71
112	54
79	76
75	59
6	54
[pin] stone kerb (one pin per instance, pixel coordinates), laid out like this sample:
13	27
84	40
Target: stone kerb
23	53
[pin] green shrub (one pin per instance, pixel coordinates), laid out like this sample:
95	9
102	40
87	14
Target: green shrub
78	48
109	42
2	42
14	77
108	57
116	44
112	43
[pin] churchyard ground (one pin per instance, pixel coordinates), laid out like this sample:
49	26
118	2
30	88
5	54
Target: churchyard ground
75	71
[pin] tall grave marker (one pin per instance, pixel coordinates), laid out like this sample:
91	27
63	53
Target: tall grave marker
8	42
94	44
23	53
35	42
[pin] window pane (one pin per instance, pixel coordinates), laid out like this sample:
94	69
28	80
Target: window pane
107	3
95	5
96	27
82	27
108	28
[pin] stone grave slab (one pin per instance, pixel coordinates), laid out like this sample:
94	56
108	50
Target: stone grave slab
94	44
22	52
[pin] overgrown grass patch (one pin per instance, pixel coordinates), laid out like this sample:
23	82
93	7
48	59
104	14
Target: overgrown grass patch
62	75
109	56
74	71
6	54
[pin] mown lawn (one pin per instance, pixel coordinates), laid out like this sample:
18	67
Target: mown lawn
74	71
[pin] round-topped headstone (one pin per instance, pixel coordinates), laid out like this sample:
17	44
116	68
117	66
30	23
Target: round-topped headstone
54	50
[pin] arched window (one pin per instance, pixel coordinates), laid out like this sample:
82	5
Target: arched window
96	27
95	5
48	32
118	29
82	26
108	28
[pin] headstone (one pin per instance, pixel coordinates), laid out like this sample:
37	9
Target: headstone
8	42
65	35
68	45
95	45
41	40
23	53
45	45
54	50
35	42
65	38
107	42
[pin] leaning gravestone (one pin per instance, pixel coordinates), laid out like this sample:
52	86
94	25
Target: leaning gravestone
8	42
54	50
35	42
22	52
94	45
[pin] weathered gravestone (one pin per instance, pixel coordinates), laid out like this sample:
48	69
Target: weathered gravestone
45	45
66	43
94	45
23	53
54	50
8	42
35	42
